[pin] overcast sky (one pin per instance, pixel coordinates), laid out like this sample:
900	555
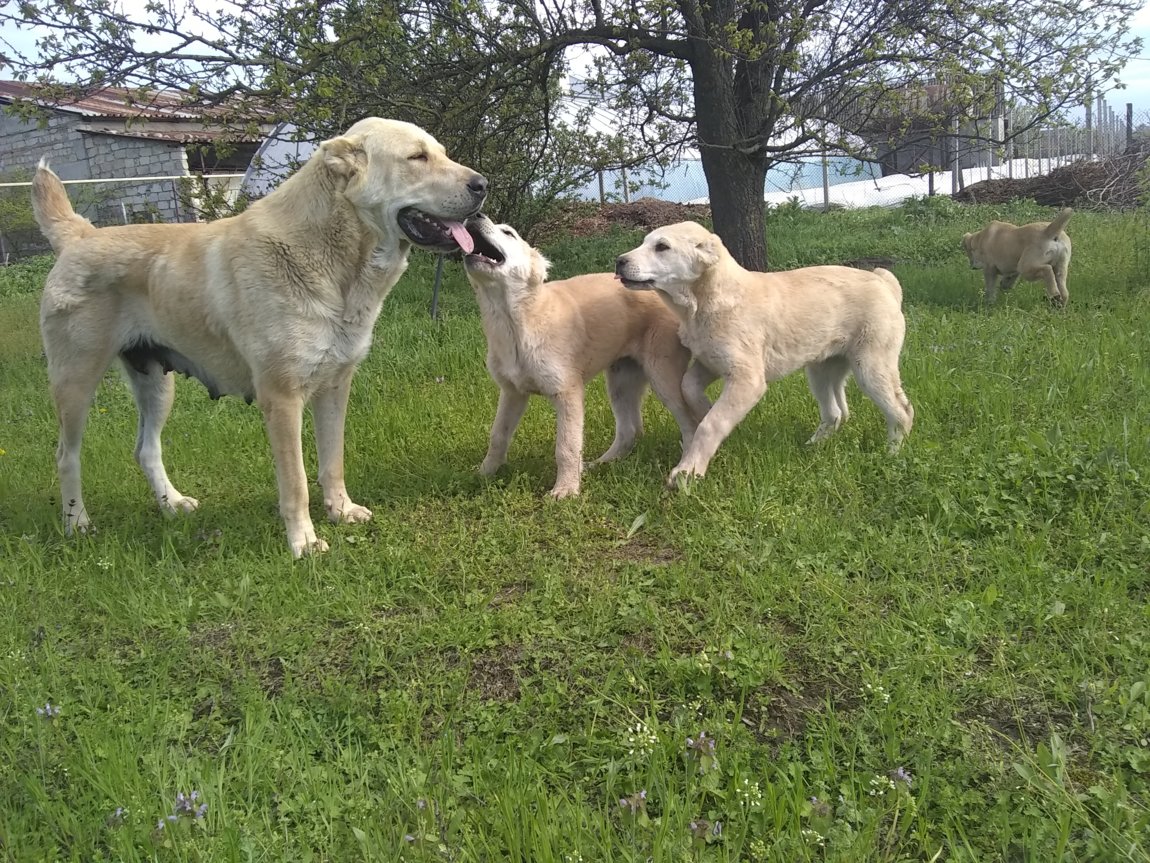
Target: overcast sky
1136	77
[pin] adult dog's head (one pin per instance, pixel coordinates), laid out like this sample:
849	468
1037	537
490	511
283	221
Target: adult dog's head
970	246
672	260
400	180
501	260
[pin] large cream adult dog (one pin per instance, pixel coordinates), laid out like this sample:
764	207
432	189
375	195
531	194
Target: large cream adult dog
551	338
1039	252
275	304
754	328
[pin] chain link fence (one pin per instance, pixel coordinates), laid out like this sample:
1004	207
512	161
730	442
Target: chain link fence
835	180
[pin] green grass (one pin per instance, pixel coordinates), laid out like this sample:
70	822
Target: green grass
462	678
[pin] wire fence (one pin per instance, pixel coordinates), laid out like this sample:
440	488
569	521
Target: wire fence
816	181
924	166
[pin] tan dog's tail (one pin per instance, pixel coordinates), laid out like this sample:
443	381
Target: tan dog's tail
1055	227
891	282
53	211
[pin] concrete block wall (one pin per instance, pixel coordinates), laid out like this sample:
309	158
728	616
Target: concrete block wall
22	143
112	156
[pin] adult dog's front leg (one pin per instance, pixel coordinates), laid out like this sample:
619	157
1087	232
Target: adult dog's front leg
512	404
329	407
283	416
568	440
738	397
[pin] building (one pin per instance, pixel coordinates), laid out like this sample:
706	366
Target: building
120	134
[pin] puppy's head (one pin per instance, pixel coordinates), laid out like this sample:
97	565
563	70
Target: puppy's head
671	260
502	259
400	180
970	246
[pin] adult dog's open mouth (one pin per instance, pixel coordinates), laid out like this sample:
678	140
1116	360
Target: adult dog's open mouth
432	233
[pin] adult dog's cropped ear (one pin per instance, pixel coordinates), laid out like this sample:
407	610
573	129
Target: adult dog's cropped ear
344	157
540	266
708	250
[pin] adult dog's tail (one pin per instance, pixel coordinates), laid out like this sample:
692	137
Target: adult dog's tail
1055	227
891	282
53	211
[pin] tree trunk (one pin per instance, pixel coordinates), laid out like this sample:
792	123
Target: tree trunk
735	182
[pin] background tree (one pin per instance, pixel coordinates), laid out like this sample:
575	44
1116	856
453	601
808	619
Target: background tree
745	82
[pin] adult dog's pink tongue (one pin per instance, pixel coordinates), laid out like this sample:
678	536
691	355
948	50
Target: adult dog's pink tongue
460	235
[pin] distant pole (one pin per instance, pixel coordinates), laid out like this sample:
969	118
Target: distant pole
1129	126
435	289
954	177
602	189
826	182
626	191
1089	122
1100	107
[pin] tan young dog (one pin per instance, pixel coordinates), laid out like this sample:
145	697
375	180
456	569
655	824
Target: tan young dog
276	304
551	338
1039	252
754	328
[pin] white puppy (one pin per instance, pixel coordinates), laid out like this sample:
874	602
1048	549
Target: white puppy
754	328
274	305
550	338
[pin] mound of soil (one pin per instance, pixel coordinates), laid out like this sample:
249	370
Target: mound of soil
583	219
1111	183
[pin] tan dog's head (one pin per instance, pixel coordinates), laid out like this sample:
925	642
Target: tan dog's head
671	260
501	259
400	180
970	246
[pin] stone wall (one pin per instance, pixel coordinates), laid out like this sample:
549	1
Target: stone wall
77	155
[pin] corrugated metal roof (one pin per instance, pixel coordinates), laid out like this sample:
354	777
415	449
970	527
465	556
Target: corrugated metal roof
153	132
118	102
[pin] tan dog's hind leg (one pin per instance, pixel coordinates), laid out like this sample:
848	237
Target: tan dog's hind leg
736	401
73	398
512	406
568	440
329	409
626	386
667	382
1060	273
878	377
990	280
1040	272
283	416
827	381
694	386
154	390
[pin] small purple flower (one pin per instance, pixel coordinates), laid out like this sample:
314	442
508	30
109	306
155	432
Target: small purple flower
636	803
48	711
702	745
188	806
408	838
717	829
117	816
421	804
899	774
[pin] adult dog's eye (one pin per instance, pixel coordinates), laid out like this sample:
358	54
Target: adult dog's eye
661	246
418	157
509	232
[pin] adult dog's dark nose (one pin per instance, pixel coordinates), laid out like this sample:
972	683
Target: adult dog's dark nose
620	263
478	185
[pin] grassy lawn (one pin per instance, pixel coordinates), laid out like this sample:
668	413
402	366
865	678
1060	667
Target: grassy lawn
814	654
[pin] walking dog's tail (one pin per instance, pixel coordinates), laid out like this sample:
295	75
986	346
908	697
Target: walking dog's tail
53	211
1055	227
891	282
